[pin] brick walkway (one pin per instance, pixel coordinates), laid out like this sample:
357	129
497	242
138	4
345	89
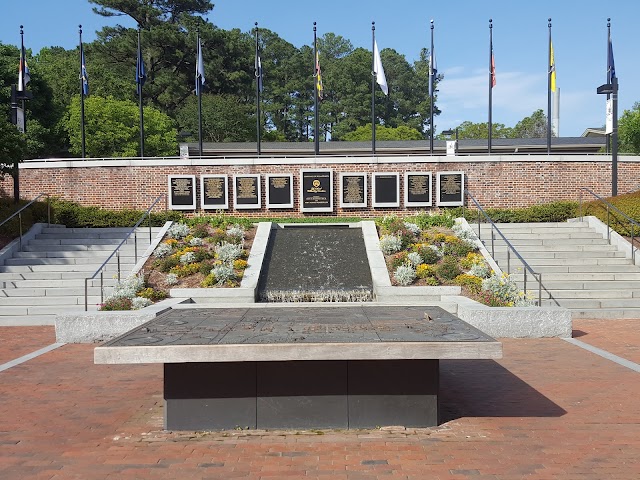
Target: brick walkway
548	410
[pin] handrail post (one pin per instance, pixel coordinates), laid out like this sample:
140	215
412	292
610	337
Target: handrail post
135	246
101	286
118	258
540	289
48	210
608	227
86	294
493	237
633	250
508	261
525	282
580	204
479	236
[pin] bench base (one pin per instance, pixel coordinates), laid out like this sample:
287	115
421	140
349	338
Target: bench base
301	394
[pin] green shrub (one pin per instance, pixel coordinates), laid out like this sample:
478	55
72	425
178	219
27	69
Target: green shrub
448	269
472	282
117	303
398	259
457	247
428	254
200	230
167	263
152	294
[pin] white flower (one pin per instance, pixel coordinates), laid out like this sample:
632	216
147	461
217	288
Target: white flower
412	227
405	274
162	250
171	279
178	231
390	244
414	258
140	302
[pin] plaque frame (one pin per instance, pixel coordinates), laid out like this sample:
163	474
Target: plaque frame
374	176
304	171
190	206
247	206
407	202
443	203
222	206
364	191
273	206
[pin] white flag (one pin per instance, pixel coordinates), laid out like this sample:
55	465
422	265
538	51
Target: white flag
433	70
379	71
199	68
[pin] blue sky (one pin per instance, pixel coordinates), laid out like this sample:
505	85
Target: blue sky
461	44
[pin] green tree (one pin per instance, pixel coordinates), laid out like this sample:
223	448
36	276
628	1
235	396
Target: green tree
534	126
402	132
12	147
629	130
225	118
470	130
112	129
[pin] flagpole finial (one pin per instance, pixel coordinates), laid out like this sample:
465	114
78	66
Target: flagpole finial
21	30
80	29
549	22
608	22
373	25
491	23
314	26
256	24
432	24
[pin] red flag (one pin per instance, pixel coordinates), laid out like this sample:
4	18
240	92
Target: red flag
493	71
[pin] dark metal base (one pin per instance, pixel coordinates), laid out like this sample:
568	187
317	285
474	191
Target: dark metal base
301	394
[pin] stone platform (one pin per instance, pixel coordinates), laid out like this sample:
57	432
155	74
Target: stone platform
300	367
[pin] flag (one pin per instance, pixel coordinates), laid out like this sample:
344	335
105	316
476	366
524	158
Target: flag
381	79
493	70
199	68
83	73
433	71
23	71
258	70
611	67
141	72
319	85
552	67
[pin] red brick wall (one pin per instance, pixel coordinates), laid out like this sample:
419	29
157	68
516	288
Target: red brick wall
509	181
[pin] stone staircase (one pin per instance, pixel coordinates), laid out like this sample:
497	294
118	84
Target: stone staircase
580	270
47	276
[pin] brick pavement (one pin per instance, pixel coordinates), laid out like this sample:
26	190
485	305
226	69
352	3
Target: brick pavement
620	337
547	410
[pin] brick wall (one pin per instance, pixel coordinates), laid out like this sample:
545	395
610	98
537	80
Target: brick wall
500	181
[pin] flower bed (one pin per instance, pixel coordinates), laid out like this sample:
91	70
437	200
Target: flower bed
444	254
199	256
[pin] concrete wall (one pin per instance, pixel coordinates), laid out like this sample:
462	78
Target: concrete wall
496	181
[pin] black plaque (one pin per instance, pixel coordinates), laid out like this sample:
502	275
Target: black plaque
316	190
279	191
417	189
182	192
353	190
385	188
450	188
214	191
247	191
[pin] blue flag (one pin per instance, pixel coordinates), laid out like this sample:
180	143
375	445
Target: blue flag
199	68
141	73
611	67
83	73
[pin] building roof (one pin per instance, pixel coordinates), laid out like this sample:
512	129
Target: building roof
499	146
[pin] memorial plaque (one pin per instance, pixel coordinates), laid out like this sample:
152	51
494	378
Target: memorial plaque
353	190
316	190
386	189
450	189
214	192
417	189
182	192
247	191
279	191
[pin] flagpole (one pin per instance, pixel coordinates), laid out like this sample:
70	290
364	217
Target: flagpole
549	73
490	83
607	135
373	88
258	74
316	120
199	93
83	142
431	88
138	67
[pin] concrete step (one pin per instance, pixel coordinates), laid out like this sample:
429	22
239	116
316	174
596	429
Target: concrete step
575	261
51	310
61	275
121	230
64	261
560	255
46	300
87	236
582	276
58	268
75	282
96	254
113	242
605	313
522	249
555	231
590	285
587	294
546	241
81	247
512	237
50	291
587	269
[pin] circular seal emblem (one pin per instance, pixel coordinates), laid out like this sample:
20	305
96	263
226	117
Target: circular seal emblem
316	183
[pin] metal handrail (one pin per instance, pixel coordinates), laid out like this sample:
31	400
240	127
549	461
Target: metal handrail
116	252
510	248
617	210
19	213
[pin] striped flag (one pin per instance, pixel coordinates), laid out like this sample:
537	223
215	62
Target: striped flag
319	85
23	71
552	67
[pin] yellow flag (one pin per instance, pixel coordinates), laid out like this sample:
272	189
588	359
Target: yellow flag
552	67
319	85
